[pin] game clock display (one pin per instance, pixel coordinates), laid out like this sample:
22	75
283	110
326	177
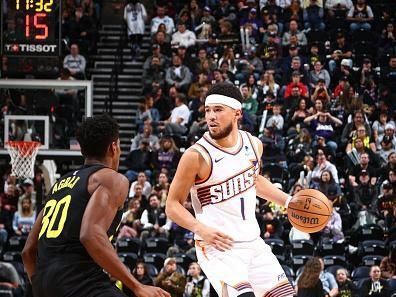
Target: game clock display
31	28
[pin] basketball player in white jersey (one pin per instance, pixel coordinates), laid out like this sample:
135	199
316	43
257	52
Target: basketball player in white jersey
222	173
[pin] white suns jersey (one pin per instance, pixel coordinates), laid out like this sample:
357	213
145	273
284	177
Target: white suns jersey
226	200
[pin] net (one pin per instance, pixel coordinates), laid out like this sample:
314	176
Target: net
23	155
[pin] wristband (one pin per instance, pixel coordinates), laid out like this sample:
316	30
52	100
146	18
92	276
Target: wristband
289	198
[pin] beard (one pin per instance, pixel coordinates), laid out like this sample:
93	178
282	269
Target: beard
223	133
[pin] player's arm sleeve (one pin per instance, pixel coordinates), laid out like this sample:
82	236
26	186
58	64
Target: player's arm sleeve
29	252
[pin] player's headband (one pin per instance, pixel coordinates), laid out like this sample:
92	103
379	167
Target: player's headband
225	100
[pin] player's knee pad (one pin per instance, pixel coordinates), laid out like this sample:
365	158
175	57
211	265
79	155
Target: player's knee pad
247	294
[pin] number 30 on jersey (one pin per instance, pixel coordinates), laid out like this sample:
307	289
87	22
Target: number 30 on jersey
52	213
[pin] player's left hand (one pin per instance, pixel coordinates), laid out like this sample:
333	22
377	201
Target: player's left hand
215	238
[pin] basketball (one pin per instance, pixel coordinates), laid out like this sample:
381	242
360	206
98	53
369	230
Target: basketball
309	210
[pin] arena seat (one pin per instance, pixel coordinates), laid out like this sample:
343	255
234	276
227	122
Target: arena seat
277	247
184	260
303	247
331	260
157	259
16	243
371	260
156	245
129	245
151	270
129	259
299	261
372	247
331	248
12	256
360	272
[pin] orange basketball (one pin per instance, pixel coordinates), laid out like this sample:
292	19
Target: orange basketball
309	210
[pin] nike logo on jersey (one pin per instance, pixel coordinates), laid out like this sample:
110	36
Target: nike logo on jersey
219	159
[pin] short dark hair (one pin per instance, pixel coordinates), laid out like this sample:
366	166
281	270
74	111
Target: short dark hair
226	89
96	135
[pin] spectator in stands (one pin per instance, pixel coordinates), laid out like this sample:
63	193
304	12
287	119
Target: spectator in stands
154	75
9	199
318	73
141	180
387	40
24	218
378	127
388	75
176	124
249	104
385	205
364	164
165	47
313	16
82	31
130	221
328	186
293	12
299	147
183	37
308	283
375	285
147	114
170	280
324	124
135	16
293	30
387	148
360	16
138	196
295	64
148	135
5	225
75	62
295	82
321	93
194	92
267	84
388	265
361	133
197	284
329	282
178	75
270	225
364	192
139	160
225	12
162	18
339	51
156	52
276	121
154	221
164	103
167	157
349	131
141	274
346	287
274	145
252	24
338	7
321	165
207	16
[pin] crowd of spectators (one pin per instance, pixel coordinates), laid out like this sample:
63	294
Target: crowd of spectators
315	91
318	82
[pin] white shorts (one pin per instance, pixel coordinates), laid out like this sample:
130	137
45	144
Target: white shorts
247	267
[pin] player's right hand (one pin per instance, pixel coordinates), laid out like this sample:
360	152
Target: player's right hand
215	238
149	291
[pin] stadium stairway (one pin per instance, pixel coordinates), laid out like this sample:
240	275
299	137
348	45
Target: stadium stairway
118	88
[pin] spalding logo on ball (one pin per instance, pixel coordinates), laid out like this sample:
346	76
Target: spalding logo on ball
309	210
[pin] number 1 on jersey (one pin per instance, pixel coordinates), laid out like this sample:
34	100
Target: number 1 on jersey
243	208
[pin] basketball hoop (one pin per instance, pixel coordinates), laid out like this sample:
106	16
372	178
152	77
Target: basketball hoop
23	155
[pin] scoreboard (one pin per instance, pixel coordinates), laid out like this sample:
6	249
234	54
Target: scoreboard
31	28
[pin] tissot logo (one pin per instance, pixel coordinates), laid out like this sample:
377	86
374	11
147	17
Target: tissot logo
30	48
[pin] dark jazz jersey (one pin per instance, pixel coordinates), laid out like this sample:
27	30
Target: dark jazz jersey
61	256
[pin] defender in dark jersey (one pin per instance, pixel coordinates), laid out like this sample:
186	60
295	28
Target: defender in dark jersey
69	249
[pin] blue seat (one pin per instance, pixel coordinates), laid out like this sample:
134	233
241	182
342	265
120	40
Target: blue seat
129	259
129	245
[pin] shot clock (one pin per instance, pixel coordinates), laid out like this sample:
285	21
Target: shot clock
31	28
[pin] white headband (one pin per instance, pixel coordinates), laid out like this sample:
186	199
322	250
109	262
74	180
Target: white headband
225	100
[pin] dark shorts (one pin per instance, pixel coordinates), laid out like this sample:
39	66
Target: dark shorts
60	280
